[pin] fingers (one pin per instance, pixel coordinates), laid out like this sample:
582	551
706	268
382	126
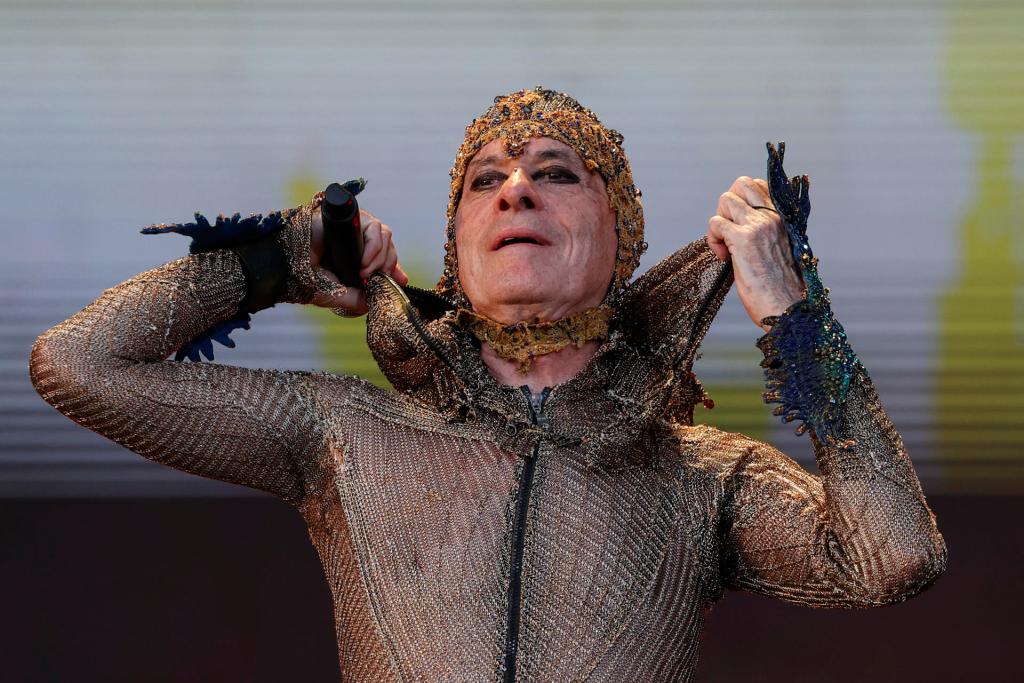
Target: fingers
379	251
316	241
390	260
351	299
734	207
376	249
328	274
720	233
754	191
373	241
760	193
379	255
400	275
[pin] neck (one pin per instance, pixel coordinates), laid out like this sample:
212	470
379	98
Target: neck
545	371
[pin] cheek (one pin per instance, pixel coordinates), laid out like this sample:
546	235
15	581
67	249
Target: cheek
461	245
467	251
603	240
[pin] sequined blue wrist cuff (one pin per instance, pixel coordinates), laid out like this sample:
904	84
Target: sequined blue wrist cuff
809	367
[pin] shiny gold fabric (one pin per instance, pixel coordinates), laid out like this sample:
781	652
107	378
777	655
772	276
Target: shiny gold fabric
524	341
636	520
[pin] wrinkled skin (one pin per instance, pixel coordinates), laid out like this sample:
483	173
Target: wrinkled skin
553	200
755	239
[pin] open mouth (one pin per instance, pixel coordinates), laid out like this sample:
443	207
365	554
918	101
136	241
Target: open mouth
519	236
517	240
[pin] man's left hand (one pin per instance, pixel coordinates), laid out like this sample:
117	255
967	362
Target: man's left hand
755	238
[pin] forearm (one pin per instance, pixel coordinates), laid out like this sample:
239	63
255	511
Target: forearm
861	534
147	317
886	539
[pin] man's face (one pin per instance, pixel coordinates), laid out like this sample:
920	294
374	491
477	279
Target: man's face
535	234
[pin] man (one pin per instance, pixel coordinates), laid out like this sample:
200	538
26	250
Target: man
533	503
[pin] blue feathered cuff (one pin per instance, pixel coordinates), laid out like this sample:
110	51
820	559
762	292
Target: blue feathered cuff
809	365
223	234
203	344
227	233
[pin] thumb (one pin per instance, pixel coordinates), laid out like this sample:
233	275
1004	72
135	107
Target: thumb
717	228
720	250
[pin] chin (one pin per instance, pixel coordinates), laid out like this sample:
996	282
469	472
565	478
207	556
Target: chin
518	292
534	286
530	294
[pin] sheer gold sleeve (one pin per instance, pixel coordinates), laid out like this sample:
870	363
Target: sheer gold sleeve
858	535
105	368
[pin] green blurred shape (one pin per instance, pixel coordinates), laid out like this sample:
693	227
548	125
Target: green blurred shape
985	67
738	408
980	373
343	346
342	341
737	397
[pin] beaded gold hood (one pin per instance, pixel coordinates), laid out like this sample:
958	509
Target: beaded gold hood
524	114
639	379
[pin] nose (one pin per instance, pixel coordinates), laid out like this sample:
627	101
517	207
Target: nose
518	192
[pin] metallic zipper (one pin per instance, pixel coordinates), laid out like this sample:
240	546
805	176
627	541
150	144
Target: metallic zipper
518	533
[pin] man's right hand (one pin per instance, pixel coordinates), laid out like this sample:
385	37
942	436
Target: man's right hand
379	255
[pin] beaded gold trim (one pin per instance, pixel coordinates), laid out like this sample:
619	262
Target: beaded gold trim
525	114
523	341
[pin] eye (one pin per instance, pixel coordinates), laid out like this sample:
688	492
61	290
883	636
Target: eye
486	180
556	174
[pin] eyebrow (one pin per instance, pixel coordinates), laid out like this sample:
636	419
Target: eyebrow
543	155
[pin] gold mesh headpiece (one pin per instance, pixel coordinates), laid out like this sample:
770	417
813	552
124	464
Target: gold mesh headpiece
525	114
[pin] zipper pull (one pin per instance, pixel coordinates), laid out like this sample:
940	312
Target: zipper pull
536	402
537	405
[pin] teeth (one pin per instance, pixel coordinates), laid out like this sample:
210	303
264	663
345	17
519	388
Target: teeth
516	240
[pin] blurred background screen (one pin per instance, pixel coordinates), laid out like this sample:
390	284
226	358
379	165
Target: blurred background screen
906	115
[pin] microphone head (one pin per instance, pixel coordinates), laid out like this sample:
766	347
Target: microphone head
338	204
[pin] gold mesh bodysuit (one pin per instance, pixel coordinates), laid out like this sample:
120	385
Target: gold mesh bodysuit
461	533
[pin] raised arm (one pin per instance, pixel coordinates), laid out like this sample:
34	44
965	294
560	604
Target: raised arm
859	535
105	368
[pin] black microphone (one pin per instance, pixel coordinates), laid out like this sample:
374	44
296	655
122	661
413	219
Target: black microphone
343	232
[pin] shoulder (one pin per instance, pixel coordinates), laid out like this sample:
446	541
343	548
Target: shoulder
738	467
334	390
353	401
714	451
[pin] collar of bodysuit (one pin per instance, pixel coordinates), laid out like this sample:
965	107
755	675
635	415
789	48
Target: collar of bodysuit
523	341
